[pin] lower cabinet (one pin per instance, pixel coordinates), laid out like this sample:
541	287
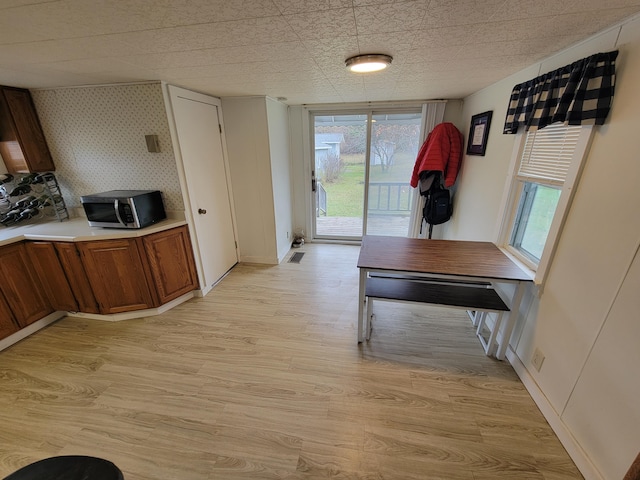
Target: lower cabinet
171	263
117	275
69	258
100	276
52	275
7	322
21	287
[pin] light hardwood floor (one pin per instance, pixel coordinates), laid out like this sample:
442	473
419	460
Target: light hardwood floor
263	379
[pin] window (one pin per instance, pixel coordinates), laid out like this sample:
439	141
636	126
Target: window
545	169
533	219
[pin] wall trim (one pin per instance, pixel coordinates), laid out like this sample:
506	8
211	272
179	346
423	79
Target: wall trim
30	329
99	85
117	317
569	442
265	260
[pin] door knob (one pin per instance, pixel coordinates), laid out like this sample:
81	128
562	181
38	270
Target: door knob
202	211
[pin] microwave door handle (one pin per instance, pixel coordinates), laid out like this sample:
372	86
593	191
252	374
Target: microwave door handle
116	206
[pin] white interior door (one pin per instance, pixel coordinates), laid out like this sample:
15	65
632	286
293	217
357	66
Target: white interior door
199	138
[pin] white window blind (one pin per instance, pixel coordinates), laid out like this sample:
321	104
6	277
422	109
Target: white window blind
548	153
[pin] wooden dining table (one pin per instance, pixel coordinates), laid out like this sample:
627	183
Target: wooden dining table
455	261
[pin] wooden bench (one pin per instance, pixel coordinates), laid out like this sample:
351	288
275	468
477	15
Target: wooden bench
478	297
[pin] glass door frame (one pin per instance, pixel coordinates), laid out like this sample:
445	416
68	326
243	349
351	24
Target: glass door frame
369	110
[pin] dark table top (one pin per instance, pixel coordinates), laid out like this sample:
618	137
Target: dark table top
482	260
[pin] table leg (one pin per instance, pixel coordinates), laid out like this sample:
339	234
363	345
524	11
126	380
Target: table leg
363	281
512	316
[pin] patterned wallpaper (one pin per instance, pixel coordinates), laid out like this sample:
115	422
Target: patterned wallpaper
97	139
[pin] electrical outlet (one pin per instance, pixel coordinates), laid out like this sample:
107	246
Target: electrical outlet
537	359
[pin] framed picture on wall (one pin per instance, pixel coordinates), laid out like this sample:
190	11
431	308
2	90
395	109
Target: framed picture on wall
478	133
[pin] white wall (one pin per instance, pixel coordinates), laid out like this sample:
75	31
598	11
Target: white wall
453	113
588	385
481	179
258	146
97	139
300	168
602	411
247	138
278	125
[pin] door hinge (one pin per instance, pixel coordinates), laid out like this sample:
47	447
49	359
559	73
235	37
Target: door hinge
220	128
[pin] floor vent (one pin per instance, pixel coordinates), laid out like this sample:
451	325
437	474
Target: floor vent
296	257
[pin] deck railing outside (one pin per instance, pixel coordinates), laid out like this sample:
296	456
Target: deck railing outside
389	197
321	200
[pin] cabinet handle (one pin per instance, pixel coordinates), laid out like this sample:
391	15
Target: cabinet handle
202	211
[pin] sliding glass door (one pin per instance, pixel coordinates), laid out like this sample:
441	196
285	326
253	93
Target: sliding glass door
340	153
363	158
394	146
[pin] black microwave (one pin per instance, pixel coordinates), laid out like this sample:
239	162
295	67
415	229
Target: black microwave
124	208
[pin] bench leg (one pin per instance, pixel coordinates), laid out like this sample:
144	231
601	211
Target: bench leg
493	344
368	325
477	316
511	320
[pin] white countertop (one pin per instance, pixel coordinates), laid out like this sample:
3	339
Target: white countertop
78	230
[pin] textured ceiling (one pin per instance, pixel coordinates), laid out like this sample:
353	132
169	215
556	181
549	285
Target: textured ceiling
291	48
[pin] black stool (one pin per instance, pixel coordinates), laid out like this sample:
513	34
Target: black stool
71	467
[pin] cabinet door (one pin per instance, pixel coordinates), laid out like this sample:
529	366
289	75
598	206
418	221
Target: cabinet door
26	150
117	275
7	322
21	287
52	276
71	262
171	263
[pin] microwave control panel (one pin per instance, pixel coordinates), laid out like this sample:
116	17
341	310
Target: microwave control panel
128	215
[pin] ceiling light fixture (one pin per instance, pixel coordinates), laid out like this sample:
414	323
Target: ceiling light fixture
368	63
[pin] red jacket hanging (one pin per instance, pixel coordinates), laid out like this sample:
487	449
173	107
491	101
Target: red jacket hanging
442	152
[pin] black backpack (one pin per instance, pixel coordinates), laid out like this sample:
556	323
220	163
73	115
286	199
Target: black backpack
437	208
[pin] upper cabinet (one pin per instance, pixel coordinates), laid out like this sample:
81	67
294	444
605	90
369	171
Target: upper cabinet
22	143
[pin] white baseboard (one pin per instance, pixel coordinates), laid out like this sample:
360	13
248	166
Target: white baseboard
49	319
259	260
149	312
29	329
575	451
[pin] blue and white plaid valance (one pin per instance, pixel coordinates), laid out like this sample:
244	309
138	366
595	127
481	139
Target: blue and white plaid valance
577	94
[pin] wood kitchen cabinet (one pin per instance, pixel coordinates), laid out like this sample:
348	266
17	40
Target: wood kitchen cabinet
22	143
7	322
51	273
100	276
69	258
21	286
134	274
117	274
171	263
